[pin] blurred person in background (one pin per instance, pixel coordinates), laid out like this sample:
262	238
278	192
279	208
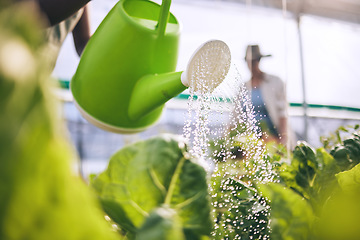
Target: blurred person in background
268	97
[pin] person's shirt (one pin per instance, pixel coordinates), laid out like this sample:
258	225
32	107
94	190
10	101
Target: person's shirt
274	97
261	114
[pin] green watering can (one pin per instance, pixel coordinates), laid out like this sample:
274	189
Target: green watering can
126	72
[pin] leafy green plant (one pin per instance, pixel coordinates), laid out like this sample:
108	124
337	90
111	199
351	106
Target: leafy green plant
338	135
339	219
240	213
319	179
162	223
291	216
305	195
312	173
151	177
40	197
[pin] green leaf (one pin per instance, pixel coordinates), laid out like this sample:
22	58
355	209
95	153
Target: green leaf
347	154
349	181
291	215
306	164
353	145
300	175
162	224
41	198
148	174
340	215
325	180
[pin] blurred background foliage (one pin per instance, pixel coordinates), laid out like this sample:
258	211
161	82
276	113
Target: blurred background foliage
314	196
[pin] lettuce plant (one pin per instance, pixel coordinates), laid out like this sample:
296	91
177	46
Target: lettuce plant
326	188
156	180
340	213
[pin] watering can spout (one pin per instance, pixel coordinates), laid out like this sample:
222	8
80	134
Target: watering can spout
152	91
206	69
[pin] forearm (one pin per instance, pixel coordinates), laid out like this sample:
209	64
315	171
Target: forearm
81	32
58	10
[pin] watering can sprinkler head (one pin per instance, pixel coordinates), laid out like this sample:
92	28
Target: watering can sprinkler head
207	67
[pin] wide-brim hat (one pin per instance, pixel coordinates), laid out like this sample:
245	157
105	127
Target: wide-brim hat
253	53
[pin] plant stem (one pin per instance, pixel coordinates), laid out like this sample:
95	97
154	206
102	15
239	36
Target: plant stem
173	181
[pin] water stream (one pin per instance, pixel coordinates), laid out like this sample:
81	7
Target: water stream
234	154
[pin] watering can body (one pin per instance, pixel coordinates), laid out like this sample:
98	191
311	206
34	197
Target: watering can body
128	49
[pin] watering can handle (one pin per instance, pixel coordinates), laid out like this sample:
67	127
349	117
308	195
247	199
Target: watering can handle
163	17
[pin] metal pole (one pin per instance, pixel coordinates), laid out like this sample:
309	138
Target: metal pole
305	105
